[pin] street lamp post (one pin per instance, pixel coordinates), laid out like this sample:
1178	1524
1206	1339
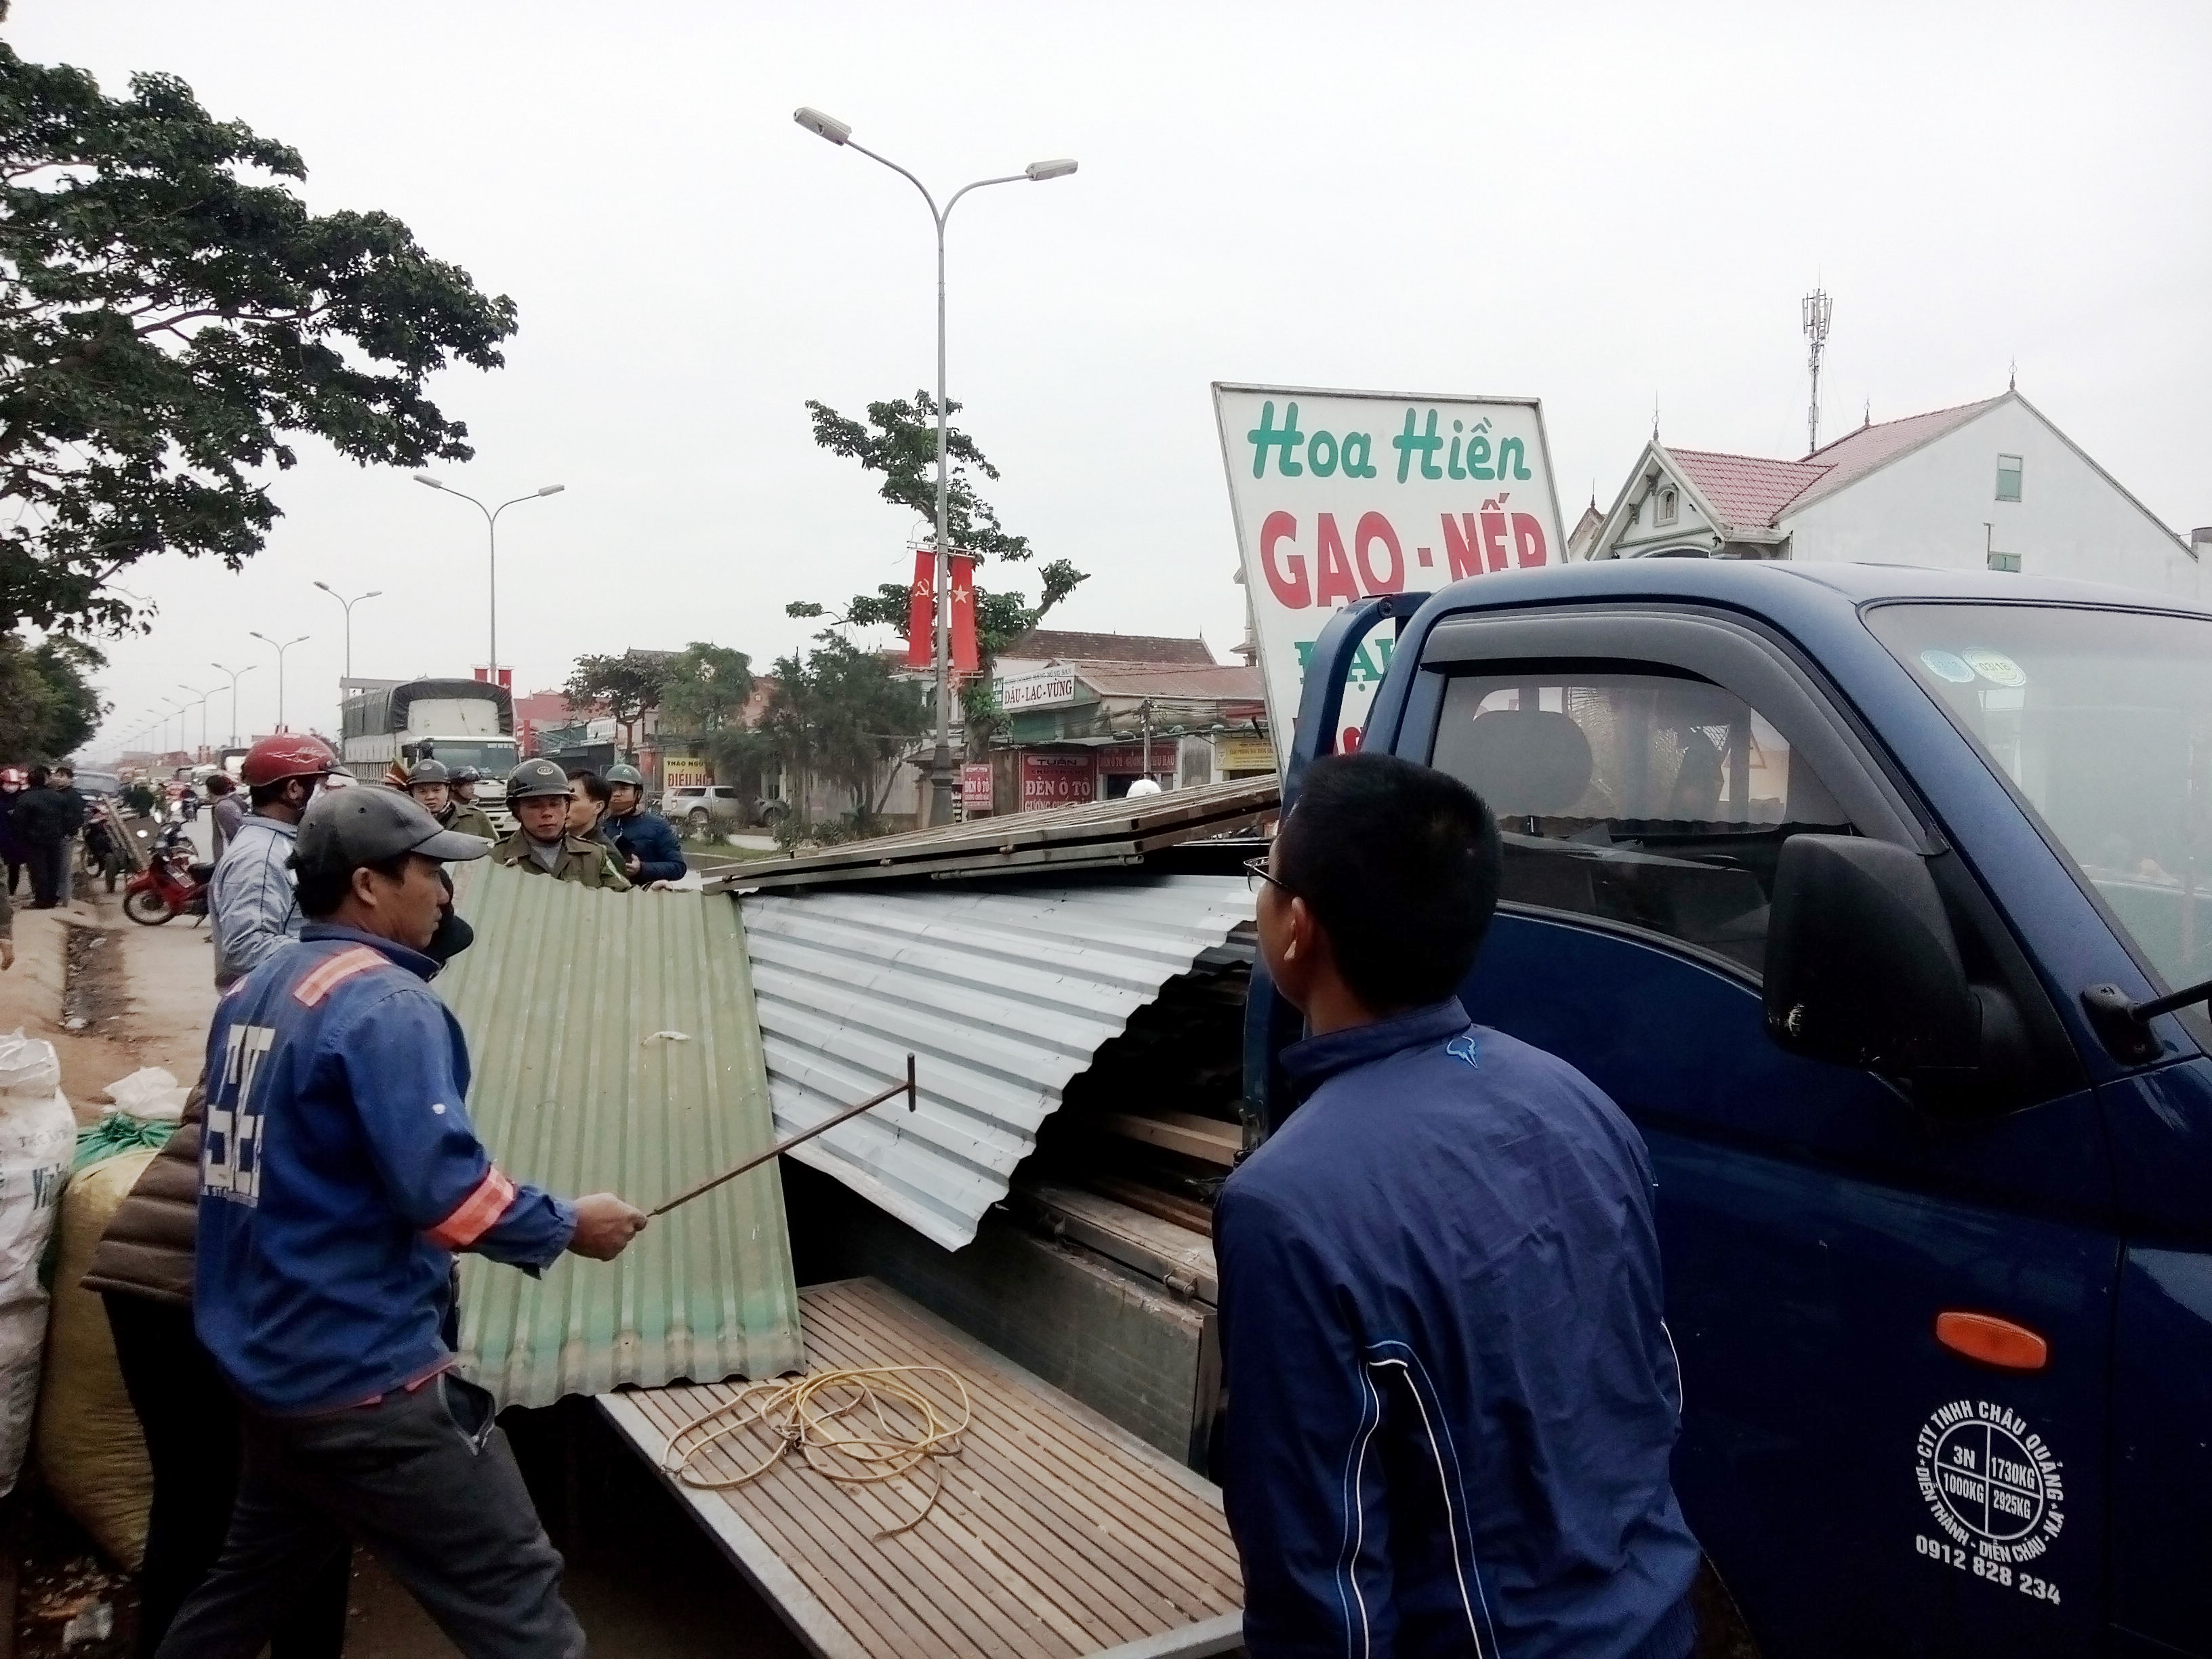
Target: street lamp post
201	697
491	533
348	604
837	132
234	673
282	648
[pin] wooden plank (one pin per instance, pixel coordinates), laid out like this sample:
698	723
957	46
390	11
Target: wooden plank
1207	1137
1179	1256
1169	1207
1055	1535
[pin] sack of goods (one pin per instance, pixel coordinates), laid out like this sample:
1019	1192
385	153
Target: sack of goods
91	1453
38	1137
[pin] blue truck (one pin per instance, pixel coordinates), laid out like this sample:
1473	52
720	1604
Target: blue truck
1865	891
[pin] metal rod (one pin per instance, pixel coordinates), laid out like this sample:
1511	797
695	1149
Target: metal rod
2142	1011
708	1186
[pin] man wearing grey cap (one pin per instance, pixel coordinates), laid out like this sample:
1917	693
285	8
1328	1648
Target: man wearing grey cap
338	1173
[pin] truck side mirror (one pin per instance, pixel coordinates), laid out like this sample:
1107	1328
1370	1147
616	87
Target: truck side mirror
1862	968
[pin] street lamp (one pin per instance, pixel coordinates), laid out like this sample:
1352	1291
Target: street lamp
837	132
348	604
282	648
203	697
172	711
234	673
491	531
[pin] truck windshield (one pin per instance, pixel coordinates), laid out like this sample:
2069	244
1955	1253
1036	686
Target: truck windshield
494	760
2102	721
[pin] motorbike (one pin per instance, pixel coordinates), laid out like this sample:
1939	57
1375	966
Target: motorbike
173	883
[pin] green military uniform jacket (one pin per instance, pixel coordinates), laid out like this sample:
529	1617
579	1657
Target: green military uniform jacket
586	862
471	820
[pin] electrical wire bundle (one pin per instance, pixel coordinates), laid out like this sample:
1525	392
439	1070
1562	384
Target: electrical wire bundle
825	1417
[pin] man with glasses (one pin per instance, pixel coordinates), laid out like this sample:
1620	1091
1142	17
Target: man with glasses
250	907
1451	1400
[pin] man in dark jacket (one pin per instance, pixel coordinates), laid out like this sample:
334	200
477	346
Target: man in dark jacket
47	814
339	1174
645	841
1452	1400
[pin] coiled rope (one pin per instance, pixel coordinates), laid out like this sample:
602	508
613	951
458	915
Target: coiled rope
817	1416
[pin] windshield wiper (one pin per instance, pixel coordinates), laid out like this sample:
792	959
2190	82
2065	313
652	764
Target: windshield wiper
2124	1023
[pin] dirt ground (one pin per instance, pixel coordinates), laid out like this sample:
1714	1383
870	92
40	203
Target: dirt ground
643	1577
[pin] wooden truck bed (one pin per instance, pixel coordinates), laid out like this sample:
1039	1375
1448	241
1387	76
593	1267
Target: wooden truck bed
1055	1535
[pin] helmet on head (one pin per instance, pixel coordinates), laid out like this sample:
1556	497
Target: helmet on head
287	755
354	827
629	774
428	771
467	775
536	777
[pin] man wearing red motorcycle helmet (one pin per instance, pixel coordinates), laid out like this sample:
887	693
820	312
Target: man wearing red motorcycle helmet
251	909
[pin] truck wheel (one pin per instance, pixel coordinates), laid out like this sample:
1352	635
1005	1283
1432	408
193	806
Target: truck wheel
699	822
147	908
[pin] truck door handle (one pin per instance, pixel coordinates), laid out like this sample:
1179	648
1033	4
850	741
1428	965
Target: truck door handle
1992	1340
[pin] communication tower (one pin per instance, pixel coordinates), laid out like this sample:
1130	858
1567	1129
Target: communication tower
1817	308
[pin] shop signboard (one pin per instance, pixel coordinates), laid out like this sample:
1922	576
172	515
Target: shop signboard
1042	687
1127	759
685	772
1339	495
975	789
1055	779
1242	751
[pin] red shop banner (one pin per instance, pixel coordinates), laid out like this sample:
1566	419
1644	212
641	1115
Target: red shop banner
1050	780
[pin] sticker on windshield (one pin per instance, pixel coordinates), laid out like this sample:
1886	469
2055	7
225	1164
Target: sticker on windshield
1996	1493
1997	668
1948	665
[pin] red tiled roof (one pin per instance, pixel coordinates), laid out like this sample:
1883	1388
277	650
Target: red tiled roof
1746	490
1046	644
1857	453
1751	492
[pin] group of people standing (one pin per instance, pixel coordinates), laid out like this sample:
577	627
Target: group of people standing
40	813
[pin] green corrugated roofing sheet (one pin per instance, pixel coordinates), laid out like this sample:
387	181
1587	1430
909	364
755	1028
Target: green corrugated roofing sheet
615	1049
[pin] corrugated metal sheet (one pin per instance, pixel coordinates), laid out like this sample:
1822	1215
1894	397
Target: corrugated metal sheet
616	1049
1002	994
1116	831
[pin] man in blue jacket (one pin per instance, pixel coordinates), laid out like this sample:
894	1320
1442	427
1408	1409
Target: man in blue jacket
645	841
1451	1399
339	1174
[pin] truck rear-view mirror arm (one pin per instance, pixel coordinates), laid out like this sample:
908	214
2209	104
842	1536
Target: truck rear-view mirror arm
1321	699
2124	1024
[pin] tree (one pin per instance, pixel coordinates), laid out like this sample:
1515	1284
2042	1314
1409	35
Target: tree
706	687
900	442
839	714
171	315
47	704
628	685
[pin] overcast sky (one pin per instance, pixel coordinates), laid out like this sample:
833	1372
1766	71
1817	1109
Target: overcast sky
1607	207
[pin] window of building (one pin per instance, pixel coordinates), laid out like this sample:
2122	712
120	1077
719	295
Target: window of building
2005	561
1646	801
1667	509
2007	477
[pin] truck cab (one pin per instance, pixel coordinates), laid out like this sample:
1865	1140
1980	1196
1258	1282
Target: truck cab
1850	883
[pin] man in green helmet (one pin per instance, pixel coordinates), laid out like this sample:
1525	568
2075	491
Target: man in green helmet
537	792
431	785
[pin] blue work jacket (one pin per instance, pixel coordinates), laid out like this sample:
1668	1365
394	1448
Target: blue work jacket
1451	1398
651	840
338	1173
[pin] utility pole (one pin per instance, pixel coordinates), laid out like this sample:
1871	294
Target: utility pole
1816	308
491	545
